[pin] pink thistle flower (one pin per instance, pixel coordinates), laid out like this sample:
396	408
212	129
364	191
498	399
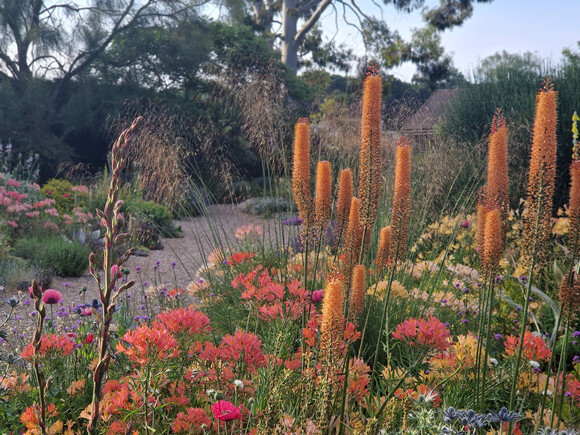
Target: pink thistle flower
51	296
226	411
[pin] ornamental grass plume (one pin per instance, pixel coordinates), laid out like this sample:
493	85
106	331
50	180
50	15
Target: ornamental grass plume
542	177
401	200
331	329
323	194
493	241
369	187
358	288
301	172
384	247
345	189
497	189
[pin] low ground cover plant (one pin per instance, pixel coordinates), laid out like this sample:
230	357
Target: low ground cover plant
469	328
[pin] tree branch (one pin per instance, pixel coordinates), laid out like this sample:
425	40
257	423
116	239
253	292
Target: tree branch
308	25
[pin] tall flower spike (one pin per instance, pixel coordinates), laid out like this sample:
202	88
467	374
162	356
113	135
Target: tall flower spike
570	296
357	292
497	194
574	207
323	194
370	150
301	172
345	189
492	247
384	247
353	239
401	200
542	176
331	329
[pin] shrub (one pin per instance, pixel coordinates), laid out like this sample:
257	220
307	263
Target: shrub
265	206
62	193
64	257
153	213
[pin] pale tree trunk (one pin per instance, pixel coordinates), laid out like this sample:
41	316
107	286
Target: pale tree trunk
292	38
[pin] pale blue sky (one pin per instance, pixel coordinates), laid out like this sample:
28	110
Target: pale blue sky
541	26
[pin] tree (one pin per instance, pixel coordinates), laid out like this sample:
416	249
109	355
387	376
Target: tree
60	40
298	18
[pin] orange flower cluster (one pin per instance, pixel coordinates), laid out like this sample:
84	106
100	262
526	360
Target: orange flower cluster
301	172
370	150
574	207
401	200
323	194
193	421
384	247
270	299
534	347
429	333
497	194
353	239
345	189
51	344
183	320
492	245
542	177
145	344
357	292
332	326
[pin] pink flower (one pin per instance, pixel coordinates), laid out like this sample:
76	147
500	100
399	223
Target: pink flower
48	192
226	411
115	272
317	296
66	195
465	224
14	183
13	224
51	296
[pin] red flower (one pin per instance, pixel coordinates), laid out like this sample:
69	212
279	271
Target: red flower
51	296
316	295
89	339
534	347
419	332
226	411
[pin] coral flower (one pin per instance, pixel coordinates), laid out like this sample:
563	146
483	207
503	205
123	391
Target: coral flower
51	296
226	411
146	343
419	332
534	347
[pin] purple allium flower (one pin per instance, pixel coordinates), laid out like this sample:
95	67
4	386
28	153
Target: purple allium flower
173	264
576	334
447	324
294	220
497	336
524	278
443	301
465	321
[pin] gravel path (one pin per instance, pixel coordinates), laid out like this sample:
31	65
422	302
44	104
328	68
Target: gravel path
200	236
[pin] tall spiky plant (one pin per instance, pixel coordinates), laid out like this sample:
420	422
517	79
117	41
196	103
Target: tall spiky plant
401	200
301	172
358	289
497	193
108	292
323	195
542	177
384	248
345	190
369	188
538	212
353	239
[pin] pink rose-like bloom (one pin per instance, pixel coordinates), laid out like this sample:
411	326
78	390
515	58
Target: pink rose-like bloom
317	296
51	296
226	411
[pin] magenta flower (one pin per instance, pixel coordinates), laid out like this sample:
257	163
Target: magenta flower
51	296
317	296
115	272
226	411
